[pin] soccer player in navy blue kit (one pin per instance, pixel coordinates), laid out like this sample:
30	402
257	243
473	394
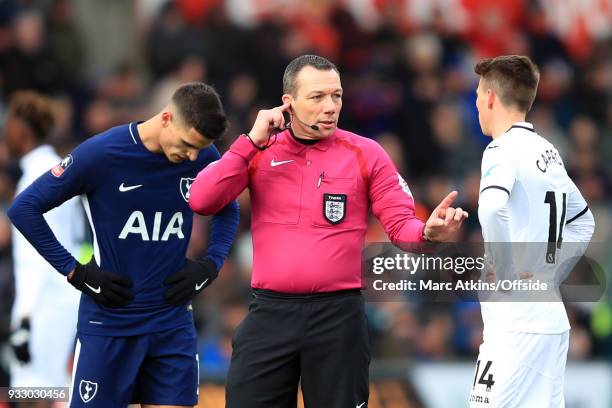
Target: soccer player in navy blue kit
136	342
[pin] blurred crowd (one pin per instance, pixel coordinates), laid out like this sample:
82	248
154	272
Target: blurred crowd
407	73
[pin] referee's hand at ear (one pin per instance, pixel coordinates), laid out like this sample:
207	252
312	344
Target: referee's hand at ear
268	122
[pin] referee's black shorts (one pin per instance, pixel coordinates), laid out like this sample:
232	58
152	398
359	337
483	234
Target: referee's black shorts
320	340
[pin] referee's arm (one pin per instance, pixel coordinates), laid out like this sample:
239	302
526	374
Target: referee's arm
222	181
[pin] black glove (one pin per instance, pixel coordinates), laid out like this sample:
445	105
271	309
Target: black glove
106	288
20	341
190	280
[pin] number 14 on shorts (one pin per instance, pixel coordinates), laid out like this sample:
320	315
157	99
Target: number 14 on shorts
482	377
488	382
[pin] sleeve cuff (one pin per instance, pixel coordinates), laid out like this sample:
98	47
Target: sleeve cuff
243	147
422	234
69	267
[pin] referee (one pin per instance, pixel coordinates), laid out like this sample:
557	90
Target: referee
312	186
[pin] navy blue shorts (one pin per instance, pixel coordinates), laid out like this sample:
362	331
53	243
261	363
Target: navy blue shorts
158	368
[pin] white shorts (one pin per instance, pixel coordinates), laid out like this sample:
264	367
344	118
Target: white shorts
518	369
52	338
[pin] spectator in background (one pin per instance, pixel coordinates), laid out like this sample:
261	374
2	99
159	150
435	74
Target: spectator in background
65	42
170	40
191	69
28	63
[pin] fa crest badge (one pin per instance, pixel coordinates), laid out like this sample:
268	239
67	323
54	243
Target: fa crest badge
185	186
62	166
334	207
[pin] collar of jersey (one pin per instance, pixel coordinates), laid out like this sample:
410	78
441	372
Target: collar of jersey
521	125
297	147
516	125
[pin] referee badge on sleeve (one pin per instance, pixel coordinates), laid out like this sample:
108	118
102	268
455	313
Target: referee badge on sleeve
334	207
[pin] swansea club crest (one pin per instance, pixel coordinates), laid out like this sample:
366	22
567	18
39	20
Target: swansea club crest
334	207
185	186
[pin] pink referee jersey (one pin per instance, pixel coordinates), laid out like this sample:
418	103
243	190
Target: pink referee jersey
310	207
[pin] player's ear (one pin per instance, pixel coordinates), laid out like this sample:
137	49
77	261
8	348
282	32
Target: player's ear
166	118
490	98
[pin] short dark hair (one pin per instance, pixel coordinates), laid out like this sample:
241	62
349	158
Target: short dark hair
35	110
295	66
199	106
513	77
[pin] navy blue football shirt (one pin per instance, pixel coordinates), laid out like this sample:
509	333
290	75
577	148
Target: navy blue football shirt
137	205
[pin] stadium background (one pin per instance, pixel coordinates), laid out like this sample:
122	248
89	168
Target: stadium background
407	71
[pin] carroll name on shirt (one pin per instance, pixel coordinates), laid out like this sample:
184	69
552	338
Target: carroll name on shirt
548	158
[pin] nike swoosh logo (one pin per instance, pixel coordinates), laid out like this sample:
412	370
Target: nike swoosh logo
492	147
97	290
360	405
198	287
123	188
275	163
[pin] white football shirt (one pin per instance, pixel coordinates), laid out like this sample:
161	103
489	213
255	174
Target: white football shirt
35	279
527	199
